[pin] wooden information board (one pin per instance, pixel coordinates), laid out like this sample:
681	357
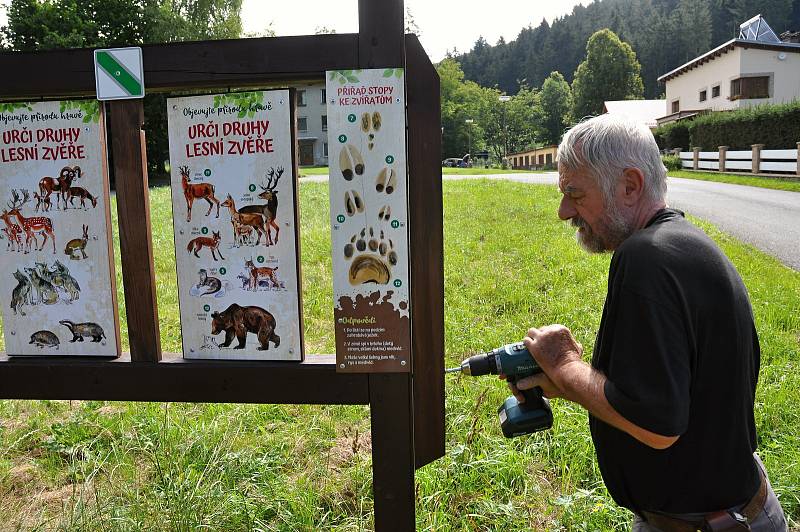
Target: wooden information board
369	213
58	289
235	216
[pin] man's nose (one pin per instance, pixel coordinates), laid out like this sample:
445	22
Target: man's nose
566	210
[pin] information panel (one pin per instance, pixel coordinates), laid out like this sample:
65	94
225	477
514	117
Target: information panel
58	286
369	212
235	215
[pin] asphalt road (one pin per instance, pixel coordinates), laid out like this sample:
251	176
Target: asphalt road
767	219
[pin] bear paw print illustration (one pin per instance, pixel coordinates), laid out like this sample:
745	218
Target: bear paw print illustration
373	258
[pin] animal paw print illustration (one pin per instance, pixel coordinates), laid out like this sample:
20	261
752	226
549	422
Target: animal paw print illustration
371	124
373	266
386	180
353	203
351	163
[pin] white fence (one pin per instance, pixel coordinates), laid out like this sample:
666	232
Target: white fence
756	160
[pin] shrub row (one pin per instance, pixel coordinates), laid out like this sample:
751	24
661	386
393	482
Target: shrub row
775	126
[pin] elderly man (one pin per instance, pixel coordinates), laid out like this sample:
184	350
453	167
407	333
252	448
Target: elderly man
671	386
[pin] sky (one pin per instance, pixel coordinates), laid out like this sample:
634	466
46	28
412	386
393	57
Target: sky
443	24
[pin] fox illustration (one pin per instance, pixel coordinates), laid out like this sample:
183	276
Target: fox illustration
212	243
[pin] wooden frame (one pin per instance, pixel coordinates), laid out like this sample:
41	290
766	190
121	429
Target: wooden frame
407	410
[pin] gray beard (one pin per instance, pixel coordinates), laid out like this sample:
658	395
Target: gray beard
615	229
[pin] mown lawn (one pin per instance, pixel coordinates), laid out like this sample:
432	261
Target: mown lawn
509	264
777	183
324	170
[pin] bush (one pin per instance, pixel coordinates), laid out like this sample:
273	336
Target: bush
775	126
672	162
673	135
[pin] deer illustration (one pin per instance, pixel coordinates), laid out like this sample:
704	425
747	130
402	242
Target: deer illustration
32	225
60	184
12	231
268	210
239	219
197	191
42	202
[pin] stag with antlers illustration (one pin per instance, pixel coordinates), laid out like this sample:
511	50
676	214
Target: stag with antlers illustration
33	225
60	185
193	191
268	210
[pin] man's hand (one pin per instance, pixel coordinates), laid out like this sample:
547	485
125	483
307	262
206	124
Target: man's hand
555	350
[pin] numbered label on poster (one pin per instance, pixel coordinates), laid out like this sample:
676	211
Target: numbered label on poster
235	216
367	136
58	285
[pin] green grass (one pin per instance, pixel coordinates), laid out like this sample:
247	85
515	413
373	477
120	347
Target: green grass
131	466
777	183
323	170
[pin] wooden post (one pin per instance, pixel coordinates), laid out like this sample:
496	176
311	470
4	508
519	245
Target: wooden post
696	159
723	153
135	241
756	168
381	44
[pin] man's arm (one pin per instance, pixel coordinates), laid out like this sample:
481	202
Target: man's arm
567	375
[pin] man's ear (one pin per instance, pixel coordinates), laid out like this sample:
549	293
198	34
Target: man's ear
633	181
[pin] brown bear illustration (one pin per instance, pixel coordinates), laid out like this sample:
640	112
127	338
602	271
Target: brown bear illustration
238	321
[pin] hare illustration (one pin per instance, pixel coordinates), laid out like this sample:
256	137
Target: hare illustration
77	244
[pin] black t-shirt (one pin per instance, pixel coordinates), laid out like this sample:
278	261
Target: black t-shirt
679	347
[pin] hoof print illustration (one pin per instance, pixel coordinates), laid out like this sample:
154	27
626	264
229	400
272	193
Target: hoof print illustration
81	330
350	162
353	203
373	266
386	181
365	122
385	213
376	121
42	339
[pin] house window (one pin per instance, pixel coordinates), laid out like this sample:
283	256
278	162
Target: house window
302	123
324	122
324	96
541	159
549	158
527	160
324	149
703	95
715	91
301	98
676	106
750	88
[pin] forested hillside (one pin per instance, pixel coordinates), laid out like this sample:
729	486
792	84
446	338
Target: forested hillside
663	33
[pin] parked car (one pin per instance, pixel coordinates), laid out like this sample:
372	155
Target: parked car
452	162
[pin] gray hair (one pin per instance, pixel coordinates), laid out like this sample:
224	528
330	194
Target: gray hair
606	145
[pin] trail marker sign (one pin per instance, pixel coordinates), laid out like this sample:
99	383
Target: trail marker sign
119	73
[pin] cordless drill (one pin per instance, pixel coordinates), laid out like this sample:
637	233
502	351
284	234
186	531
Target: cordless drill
513	361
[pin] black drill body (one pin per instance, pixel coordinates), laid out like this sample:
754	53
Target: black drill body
514	361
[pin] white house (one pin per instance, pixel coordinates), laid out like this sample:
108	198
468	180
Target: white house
755	68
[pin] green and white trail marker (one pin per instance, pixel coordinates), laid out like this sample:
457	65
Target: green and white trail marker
119	73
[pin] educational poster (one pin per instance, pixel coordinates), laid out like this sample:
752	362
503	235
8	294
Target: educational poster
369	213
57	282
235	215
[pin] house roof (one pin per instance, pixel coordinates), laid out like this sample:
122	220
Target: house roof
644	111
725	48
541	149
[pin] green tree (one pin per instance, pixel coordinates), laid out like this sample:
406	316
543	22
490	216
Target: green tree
554	108
692	19
609	72
461	101
49	24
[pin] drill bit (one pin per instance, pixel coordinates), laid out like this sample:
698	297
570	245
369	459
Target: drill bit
453	370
